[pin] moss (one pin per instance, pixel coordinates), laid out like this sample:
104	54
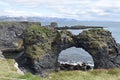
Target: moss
36	29
94	32
94	44
38	40
68	36
16	23
36	51
36	33
57	39
96	37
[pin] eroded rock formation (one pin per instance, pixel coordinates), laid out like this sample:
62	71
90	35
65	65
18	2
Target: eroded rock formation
11	33
98	42
42	46
101	46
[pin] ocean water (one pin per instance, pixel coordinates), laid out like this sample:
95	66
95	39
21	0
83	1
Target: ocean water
75	55
114	27
78	55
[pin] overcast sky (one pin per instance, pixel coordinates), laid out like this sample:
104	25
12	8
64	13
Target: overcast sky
75	9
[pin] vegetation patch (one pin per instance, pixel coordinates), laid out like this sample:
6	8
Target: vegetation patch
38	40
114	71
7	69
100	74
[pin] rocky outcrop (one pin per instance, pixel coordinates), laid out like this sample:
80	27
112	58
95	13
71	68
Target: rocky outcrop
42	45
98	42
1	55
10	34
11	39
101	46
83	66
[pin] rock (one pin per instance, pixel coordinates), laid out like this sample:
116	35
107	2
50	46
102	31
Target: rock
38	48
10	33
1	55
42	46
71	66
53	24
18	70
101	46
98	42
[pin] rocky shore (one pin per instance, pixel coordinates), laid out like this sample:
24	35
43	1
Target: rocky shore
76	66
41	46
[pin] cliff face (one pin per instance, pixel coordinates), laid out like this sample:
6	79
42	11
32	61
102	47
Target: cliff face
10	33
98	42
38	48
101	46
42	46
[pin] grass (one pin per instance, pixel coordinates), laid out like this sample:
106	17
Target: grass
9	72
112	74
7	69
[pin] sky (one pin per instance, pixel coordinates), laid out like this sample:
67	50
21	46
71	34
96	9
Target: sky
100	10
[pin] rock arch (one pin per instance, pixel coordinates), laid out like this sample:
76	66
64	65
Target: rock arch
43	45
99	43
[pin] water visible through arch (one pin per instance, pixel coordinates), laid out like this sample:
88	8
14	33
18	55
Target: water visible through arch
75	56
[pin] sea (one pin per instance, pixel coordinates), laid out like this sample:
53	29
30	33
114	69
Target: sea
78	55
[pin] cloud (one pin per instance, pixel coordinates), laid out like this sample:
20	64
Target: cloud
17	13
77	9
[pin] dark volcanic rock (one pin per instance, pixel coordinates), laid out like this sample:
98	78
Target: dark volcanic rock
10	33
42	45
83	67
39	49
44	49
101	46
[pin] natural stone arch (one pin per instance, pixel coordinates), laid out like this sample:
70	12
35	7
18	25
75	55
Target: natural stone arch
98	43
101	46
43	45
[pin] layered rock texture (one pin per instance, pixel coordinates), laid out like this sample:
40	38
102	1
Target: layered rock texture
41	46
11	33
38	48
101	46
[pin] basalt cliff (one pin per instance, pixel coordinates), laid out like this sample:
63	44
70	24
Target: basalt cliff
36	48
